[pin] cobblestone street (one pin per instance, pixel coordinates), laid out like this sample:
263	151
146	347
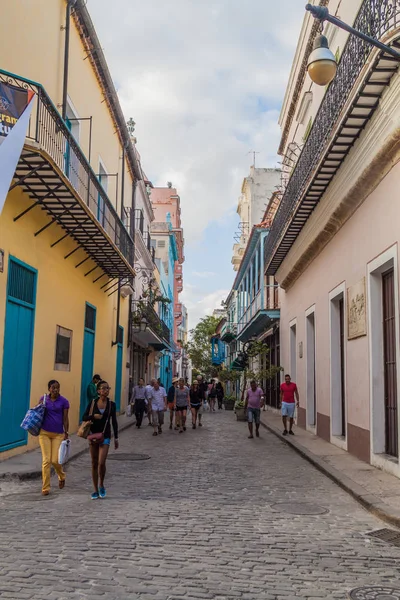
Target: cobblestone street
206	517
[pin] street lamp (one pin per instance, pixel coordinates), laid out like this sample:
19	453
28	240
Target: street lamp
322	63
143	324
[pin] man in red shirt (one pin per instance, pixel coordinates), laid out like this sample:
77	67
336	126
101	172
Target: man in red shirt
288	392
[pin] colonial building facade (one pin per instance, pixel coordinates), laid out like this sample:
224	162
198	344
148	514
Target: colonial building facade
333	245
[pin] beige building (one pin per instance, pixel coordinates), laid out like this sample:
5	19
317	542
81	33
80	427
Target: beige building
256	191
333	245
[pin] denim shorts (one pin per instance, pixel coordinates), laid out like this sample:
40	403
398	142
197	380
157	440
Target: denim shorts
106	442
288	409
253	415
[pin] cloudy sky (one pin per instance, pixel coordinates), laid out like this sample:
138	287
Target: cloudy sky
204	81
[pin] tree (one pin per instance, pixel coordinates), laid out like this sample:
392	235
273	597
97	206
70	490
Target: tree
255	350
199	345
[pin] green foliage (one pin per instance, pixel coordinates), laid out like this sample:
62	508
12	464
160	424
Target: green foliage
255	349
199	345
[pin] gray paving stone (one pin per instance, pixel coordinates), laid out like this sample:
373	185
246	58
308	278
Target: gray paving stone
194	522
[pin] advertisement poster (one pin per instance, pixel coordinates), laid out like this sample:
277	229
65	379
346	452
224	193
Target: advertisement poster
15	111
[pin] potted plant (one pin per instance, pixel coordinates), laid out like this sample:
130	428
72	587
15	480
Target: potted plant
240	411
229	402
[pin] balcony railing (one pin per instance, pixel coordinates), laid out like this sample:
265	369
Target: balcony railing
266	301
375	18
155	323
51	135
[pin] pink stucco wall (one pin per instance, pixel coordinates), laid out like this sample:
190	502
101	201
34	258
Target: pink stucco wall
372	229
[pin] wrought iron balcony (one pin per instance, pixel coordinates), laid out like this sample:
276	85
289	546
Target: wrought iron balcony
55	173
228	332
157	324
258	313
329	142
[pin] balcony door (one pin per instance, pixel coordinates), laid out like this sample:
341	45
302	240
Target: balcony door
103	180
71	161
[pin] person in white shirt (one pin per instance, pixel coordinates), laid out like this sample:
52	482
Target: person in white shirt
147	394
158	405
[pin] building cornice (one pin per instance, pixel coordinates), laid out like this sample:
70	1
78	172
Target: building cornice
299	83
98	61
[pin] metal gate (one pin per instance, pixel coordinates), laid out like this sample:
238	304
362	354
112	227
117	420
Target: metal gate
390	367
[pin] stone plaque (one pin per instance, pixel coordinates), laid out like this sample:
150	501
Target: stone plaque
356	310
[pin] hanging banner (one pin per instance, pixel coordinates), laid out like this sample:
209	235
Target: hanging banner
13	102
15	110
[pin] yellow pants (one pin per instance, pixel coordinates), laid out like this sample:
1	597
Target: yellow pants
50	444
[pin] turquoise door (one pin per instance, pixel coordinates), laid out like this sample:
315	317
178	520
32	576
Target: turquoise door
87	353
118	377
17	355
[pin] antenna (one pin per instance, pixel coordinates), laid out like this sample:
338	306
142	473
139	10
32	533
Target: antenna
253	152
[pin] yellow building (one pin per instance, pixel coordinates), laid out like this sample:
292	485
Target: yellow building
66	231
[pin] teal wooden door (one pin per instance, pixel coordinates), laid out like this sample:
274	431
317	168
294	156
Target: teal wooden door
87	353
17	353
118	377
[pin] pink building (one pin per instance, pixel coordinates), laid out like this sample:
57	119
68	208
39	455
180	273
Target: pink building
333	245
167	201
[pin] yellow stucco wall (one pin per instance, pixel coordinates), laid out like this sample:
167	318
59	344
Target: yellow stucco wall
39	55
62	291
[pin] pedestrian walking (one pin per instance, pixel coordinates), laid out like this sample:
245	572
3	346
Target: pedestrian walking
101	413
91	390
212	395
148	391
158	405
196	401
139	401
253	404
171	403
182	402
54	430
220	394
288	393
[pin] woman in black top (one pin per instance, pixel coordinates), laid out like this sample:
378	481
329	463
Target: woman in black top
196	400
220	394
101	412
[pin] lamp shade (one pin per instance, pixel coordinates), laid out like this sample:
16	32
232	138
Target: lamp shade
322	65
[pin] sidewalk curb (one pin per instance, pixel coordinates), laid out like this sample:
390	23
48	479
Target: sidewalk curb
372	503
36	473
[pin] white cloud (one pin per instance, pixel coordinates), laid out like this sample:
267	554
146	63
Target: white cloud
200	305
203	81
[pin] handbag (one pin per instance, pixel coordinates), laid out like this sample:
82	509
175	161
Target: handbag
98	438
32	422
63	451
84	427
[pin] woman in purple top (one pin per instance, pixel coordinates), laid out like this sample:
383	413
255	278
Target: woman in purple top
54	430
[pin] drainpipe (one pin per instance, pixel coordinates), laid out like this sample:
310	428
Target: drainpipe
70	5
118	314
123	183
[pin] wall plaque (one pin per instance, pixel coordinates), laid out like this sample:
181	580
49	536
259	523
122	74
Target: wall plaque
356	310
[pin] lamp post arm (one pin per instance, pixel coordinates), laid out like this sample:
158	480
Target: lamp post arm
322	14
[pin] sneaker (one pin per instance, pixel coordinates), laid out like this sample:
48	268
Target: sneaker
170	426
102	492
291	432
285	432
95	496
160	430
